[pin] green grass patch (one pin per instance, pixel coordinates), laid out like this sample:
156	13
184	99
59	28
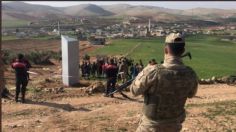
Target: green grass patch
4	38
227	102
48	37
33	90
211	55
226	108
14	23
130	113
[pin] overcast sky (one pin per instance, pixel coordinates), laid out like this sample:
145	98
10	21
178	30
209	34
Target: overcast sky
168	4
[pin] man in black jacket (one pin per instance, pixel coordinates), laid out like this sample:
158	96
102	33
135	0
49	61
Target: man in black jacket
21	76
111	74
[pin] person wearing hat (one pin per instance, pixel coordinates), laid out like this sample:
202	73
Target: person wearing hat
165	88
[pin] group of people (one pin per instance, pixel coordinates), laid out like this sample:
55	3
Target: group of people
126	68
113	69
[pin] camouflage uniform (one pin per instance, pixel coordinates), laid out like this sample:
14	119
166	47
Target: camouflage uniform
165	88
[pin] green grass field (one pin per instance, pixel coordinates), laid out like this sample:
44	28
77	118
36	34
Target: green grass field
8	38
14	23
5	38
211	56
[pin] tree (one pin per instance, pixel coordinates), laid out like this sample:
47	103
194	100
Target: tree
86	57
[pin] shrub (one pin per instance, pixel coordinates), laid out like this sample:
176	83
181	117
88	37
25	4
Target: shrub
34	57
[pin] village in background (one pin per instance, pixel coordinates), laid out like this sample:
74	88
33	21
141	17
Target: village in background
97	23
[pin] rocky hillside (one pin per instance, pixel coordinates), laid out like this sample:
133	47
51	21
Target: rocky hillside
25	11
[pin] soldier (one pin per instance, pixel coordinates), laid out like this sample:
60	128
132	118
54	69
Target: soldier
21	76
166	88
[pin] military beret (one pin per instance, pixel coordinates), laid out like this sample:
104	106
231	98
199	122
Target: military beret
175	38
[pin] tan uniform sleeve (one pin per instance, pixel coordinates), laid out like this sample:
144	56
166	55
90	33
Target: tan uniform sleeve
145	79
194	85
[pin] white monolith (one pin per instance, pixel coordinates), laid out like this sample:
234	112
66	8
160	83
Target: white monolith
70	60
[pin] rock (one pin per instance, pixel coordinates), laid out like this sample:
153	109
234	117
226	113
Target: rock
48	80
50	90
38	121
13	126
46	90
201	81
46	69
209	81
59	90
96	87
224	79
206	81
185	129
213	78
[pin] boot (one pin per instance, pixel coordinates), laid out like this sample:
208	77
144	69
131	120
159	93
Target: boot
112	96
16	98
23	98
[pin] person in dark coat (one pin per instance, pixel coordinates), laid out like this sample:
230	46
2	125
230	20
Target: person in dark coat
93	69
20	68
111	71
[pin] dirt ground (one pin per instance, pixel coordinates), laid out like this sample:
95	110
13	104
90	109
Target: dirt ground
213	109
27	45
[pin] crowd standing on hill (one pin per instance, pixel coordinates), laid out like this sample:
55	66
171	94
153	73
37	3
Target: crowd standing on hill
113	69
127	68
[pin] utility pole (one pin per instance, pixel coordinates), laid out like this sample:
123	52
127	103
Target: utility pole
58	28
149	25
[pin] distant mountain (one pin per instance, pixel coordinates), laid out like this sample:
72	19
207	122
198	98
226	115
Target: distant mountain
130	9
210	13
86	10
157	13
21	10
24	11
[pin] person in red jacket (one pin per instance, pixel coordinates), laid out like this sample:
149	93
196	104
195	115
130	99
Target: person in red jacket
21	69
111	71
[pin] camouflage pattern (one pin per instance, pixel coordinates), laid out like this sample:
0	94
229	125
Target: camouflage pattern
171	38
146	125
165	88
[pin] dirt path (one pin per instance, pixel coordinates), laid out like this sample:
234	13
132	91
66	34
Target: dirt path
133	49
213	109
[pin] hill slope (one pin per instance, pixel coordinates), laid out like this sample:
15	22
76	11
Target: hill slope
86	10
12	11
21	10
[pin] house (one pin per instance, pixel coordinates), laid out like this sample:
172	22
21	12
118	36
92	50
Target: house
21	34
97	40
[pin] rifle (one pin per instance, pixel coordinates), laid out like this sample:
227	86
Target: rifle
184	55
123	86
187	54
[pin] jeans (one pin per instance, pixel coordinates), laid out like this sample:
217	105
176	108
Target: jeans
111	83
21	87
